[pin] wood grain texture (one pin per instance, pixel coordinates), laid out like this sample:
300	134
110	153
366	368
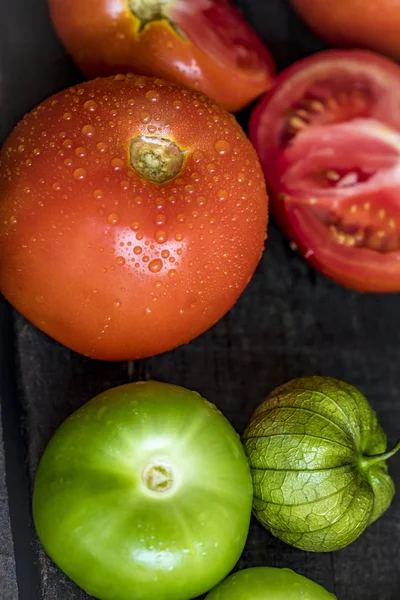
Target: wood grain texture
289	322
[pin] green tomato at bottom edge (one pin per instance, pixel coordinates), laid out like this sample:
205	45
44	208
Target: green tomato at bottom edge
268	583
144	493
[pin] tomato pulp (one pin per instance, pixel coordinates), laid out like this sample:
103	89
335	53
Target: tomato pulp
133	213
328	139
205	44
144	492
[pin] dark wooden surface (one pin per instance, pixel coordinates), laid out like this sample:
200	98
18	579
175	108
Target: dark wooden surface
289	322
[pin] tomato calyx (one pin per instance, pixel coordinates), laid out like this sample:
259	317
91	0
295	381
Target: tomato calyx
154	158
147	11
158	477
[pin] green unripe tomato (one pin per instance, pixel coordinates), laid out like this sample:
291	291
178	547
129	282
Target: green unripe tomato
268	583
317	456
144	493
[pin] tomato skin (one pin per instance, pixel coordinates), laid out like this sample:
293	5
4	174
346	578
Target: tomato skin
104	37
260	583
108	263
344	108
355	23
108	530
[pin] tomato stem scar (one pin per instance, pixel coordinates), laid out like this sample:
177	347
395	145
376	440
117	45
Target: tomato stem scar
148	10
158	477
154	158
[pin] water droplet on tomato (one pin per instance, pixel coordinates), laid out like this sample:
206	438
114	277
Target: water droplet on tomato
152	129
211	168
165	253
120	261
177	104
117	164
98	194
113	218
39	299
67	116
222	147
79	174
124	185
145	116
120	77
117	304
88	130
80	152
135	225
172	273
222	195
152	96
28	162
155	265
137	250
178	237
90	105
160	219
161	237
21	148
13	220
67	143
68	162
56	186
101	147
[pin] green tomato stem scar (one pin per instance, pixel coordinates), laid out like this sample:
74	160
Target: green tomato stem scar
148	10
154	158
158	477
368	461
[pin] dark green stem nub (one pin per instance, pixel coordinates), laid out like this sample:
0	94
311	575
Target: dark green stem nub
156	159
368	461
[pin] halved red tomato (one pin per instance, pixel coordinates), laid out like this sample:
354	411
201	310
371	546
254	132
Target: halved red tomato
329	142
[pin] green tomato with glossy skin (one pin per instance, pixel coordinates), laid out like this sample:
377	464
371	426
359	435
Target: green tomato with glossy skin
318	459
268	583
144	493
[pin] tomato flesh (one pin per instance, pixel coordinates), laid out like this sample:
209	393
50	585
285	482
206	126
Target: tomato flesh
109	263
145	492
204	44
328	138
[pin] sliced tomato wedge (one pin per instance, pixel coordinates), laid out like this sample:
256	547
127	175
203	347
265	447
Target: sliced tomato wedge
219	30
328	137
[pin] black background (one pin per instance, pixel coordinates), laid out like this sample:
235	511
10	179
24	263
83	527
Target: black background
289	322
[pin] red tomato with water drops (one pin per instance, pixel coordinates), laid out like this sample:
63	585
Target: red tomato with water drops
133	213
205	44
328	140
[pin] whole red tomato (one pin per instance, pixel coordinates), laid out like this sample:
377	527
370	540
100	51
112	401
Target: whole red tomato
328	139
205	44
133	213
372	24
